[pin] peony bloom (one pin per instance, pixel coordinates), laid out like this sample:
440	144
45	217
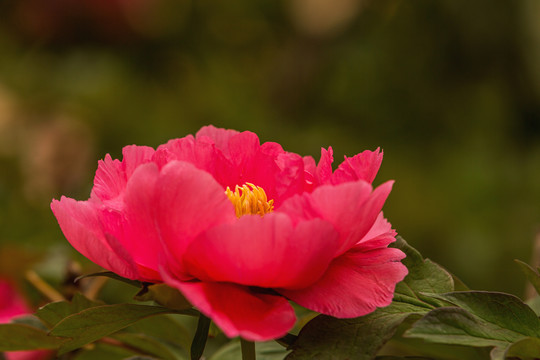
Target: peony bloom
11	306
240	228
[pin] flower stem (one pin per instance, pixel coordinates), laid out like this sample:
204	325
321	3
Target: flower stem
248	349
201	335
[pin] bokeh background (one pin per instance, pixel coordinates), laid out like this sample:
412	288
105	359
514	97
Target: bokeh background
450	89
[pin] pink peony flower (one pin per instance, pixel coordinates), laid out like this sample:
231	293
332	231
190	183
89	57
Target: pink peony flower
11	306
240	228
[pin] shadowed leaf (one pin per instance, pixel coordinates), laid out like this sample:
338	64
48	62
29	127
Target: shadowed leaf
525	349
14	337
264	351
94	323
147	345
531	274
479	319
326	337
53	313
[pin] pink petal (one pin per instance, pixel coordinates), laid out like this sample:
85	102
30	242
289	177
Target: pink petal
28	355
80	224
254	163
188	201
243	148
380	235
220	137
363	166
202	153
310	180
355	284
133	226
351	207
324	168
11	303
133	156
110	180
112	175
265	252
239	311
290	179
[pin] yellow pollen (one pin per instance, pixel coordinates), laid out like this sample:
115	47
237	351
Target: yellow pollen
249	200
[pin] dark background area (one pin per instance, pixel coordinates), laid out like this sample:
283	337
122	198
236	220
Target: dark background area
450	90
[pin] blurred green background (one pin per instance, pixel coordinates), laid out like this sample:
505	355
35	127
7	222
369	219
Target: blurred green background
449	89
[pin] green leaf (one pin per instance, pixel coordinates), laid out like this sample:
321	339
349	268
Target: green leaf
326	337
479	319
504	310
531	274
534	304
101	351
264	351
29	320
114	276
166	328
424	276
400	345
52	313
453	325
14	337
147	346
96	322
164	295
525	349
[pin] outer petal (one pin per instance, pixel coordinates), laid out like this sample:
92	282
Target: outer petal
188	202
110	180
239	311
81	227
351	207
355	284
363	166
380	235
266	252
112	175
133	225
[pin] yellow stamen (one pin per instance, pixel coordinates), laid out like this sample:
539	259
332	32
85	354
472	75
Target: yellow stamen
249	200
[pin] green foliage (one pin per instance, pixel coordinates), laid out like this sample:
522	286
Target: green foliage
148	345
264	351
427	319
94	323
525	349
424	303
532	275
15	337
326	337
481	319
52	313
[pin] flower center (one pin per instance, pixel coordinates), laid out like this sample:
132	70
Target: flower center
249	200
